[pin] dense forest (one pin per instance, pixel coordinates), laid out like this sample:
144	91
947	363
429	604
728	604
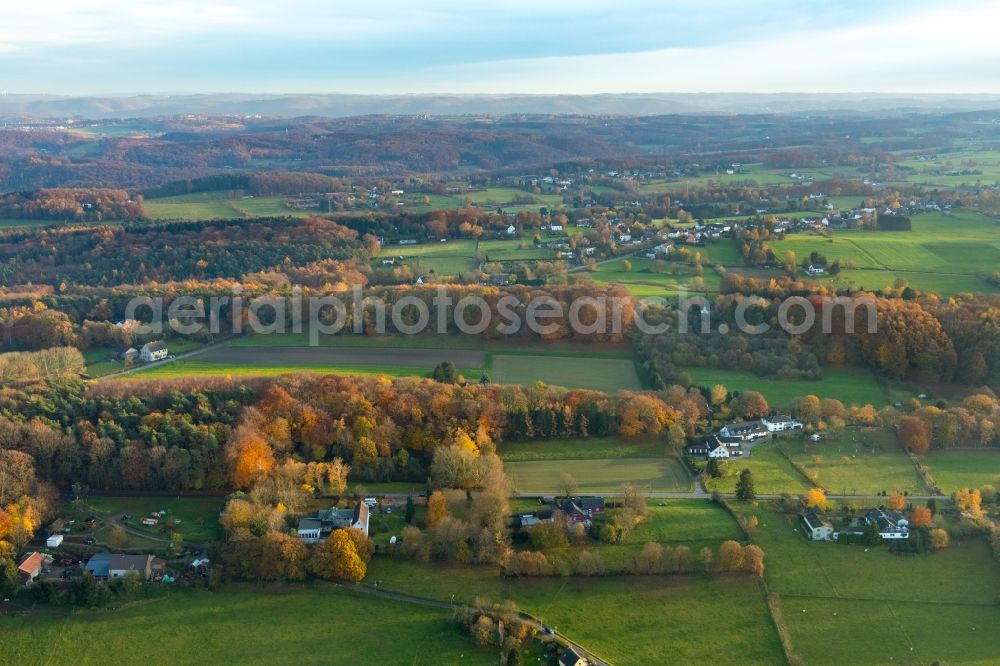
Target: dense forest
177	149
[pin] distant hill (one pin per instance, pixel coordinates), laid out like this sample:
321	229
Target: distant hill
341	105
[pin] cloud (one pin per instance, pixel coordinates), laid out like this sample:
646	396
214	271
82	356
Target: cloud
952	50
494	46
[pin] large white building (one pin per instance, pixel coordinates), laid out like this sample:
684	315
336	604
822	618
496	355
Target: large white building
780	423
153	351
317	529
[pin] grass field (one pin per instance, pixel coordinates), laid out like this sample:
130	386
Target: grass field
772	473
856	462
190	511
228	204
871	607
964	469
599	475
99	361
629	620
563	363
942	253
602	374
641	281
319	624
849	385
581	449
195	368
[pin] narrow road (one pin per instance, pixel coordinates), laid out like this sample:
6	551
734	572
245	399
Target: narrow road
438	603
157	364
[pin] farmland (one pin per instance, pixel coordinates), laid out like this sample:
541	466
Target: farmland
573	365
581	449
943	253
631	620
849	385
963	469
600	464
857	605
856	462
603	374
600	475
772	472
242	624
217	205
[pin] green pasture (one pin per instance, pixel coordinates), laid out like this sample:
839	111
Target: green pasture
629	620
966	468
772	472
536	477
198	518
317	624
849	385
601	374
581	449
856	461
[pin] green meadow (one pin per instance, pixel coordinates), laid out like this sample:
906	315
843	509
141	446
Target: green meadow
316	624
849	385
864	605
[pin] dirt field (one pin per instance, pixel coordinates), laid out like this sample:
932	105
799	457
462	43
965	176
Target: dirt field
428	358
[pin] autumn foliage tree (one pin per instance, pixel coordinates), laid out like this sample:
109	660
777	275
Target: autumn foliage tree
921	517
816	499
915	434
250	458
337	559
437	508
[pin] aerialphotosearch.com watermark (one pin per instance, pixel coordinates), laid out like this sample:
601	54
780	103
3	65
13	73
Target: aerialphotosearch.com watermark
508	315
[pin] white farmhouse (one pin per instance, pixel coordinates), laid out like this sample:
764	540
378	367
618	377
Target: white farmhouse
153	351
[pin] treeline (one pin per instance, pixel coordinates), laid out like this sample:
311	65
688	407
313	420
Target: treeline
72	205
217	435
255	184
668	357
110	256
975	423
918	336
127	438
48	364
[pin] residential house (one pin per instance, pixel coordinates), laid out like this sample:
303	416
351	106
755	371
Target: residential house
121	565
697	449
580	509
153	351
815	270
30	568
781	423
717	449
317	529
540	516
817	527
511	230
891	525
117	565
746	431
130	355
570	657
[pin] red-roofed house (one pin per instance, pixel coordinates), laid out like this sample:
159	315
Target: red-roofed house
31	567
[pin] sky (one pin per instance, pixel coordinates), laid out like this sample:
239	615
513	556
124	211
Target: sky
99	47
